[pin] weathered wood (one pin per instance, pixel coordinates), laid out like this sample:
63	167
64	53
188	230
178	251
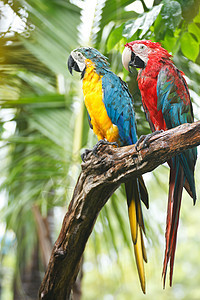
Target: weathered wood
101	175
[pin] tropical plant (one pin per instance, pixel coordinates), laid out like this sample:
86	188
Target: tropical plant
44	129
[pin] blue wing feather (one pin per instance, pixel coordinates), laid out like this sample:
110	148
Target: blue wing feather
174	101
119	107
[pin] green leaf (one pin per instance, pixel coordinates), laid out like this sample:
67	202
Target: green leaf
114	37
113	10
150	18
144	22
55	38
170	43
48	100
193	28
189	46
190	9
159	28
171	13
131	27
197	18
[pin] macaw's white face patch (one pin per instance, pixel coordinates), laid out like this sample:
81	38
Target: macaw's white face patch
142	51
79	58
135	55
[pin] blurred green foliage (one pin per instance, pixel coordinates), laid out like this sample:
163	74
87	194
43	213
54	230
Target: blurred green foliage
44	128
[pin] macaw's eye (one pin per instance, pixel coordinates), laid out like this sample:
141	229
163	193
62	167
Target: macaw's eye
79	56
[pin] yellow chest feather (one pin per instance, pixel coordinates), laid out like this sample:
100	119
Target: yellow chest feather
93	97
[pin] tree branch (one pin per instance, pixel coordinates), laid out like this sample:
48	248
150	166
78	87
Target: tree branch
101	175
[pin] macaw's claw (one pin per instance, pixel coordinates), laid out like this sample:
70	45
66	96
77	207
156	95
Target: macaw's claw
96	148
85	154
102	142
144	139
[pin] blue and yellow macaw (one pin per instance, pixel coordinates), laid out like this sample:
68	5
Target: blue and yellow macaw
111	116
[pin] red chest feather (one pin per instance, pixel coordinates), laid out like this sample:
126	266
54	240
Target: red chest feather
148	88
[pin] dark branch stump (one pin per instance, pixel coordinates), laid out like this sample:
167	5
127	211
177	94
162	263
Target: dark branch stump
101	175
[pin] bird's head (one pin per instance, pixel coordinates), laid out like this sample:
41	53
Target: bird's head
137	53
82	57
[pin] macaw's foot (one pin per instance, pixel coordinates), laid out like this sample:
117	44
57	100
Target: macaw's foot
96	148
102	142
144	139
85	154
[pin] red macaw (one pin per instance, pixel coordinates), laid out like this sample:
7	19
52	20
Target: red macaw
167	104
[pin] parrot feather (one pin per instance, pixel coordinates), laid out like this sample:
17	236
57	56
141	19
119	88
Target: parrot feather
111	116
167	104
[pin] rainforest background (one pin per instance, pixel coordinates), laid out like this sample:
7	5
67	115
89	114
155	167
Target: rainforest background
44	129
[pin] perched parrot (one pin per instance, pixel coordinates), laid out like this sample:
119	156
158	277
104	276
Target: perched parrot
167	104
111	116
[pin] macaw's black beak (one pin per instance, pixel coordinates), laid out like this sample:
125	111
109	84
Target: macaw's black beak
72	65
136	62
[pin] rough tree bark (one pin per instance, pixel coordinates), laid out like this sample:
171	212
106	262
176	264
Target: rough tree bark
101	175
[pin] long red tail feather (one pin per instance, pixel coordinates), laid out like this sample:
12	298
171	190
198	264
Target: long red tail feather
176	184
